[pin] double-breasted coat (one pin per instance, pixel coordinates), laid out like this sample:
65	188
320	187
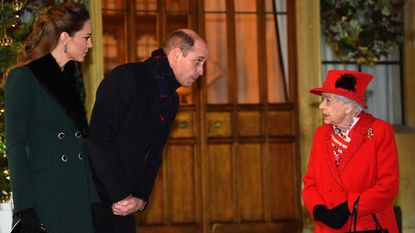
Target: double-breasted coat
369	169
45	129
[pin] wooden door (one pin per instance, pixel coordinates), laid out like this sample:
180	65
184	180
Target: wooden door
232	160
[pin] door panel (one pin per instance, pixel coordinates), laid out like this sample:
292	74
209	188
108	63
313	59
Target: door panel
282	163
249	123
281	123
183	126
219	175
174	198
248	177
181	180
219	124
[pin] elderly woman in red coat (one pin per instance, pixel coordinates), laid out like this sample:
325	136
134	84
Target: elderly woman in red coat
353	162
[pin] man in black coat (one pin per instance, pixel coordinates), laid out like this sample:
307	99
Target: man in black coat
135	106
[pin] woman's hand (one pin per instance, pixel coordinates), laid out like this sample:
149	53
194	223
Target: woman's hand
334	218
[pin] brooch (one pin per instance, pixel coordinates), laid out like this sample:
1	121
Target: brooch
370	133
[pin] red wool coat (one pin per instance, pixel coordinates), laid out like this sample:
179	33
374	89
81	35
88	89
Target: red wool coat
369	168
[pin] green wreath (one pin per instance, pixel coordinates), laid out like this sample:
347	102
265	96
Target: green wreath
363	30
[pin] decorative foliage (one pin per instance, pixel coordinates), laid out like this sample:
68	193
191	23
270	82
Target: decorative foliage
16	21
363	30
4	173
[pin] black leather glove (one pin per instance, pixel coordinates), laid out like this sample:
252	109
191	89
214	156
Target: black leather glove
30	221
329	217
98	213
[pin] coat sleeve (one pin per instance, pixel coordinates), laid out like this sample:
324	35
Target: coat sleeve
311	194
93	195
18	107
106	120
381	195
145	185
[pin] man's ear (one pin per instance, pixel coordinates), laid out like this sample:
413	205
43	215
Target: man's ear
176	53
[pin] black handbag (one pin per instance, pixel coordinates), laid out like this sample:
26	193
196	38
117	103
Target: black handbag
16	227
379	228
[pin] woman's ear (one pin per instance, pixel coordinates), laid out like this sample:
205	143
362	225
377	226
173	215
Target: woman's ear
349	108
64	37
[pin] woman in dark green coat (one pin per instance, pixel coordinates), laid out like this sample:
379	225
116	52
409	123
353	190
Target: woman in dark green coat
46	126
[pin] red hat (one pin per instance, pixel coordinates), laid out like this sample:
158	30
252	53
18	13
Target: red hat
347	83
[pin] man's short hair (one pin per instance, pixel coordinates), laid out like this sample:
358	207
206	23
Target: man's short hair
179	39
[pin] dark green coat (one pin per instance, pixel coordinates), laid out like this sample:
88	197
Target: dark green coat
45	133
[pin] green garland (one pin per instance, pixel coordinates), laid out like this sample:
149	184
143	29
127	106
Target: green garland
363	30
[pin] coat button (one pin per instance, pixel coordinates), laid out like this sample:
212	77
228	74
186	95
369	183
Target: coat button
61	135
80	156
64	158
78	134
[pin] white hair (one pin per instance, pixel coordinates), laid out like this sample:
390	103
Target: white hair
355	105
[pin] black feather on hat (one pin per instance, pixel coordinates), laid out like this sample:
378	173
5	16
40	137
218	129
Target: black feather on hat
346	81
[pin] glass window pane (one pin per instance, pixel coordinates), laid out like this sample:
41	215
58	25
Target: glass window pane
281	5
216	5
114	40
383	95
216	66
245	5
394	56
145	5
275	68
146	33
283	37
175	22
185	94
269	5
278	6
247	57
113	5
177	5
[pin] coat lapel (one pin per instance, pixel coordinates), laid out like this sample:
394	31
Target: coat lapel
360	134
329	153
65	87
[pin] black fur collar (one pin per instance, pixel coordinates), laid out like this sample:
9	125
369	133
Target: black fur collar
65	87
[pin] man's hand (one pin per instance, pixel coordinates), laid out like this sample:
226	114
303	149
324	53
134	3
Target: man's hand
127	206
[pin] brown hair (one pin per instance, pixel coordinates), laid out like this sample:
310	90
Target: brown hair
183	39
67	17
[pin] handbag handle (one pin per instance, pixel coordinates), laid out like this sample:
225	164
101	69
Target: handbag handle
354	217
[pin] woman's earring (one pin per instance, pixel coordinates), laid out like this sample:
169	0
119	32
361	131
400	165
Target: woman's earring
65	48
